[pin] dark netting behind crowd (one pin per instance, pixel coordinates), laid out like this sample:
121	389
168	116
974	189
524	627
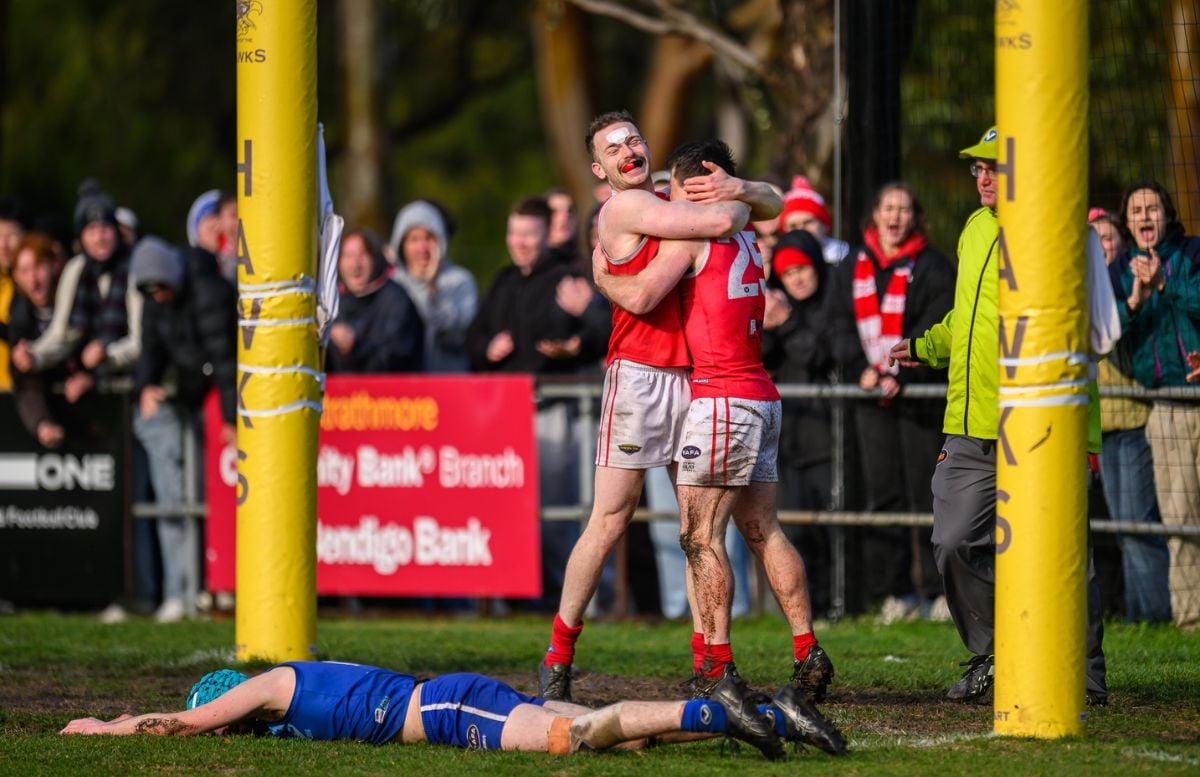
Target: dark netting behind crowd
920	84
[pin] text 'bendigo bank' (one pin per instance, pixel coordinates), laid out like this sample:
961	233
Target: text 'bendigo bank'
386	547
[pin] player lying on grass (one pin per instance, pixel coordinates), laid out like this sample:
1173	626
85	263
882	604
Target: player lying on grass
333	700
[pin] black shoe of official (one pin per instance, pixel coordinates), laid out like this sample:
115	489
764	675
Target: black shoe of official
554	682
976	681
804	723
1096	699
744	720
813	675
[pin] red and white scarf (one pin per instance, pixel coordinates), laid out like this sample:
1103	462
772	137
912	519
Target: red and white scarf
881	325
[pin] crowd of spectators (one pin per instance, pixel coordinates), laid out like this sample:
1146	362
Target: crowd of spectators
164	317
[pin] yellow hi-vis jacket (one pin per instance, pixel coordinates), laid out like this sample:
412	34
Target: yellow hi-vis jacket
967	340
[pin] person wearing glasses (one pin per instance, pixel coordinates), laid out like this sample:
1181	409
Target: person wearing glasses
967	341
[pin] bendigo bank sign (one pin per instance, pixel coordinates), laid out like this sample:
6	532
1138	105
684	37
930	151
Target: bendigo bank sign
426	486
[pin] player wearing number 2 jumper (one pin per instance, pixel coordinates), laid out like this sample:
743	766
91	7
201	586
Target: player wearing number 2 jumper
728	455
645	386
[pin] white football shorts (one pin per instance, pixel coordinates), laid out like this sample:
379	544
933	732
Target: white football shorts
730	442
641	415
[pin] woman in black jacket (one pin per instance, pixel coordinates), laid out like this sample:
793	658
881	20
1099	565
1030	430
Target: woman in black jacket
378	328
895	285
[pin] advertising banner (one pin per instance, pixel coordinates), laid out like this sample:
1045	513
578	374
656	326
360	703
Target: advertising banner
426	486
64	512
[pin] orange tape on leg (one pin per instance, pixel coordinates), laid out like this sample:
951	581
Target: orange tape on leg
559	739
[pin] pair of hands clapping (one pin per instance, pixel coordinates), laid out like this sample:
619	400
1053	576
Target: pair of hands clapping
1147	279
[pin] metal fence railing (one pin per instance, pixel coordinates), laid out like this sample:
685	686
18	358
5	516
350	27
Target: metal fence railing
586	396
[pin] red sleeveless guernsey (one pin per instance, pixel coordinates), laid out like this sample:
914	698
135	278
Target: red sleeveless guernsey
723	304
654	338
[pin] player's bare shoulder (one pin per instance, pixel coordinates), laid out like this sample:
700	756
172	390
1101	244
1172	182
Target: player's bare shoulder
621	220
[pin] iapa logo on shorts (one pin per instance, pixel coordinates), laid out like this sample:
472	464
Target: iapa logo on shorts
381	710
689	452
629	448
473	737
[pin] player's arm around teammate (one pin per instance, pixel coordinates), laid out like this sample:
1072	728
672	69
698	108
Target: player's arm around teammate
719	186
641	293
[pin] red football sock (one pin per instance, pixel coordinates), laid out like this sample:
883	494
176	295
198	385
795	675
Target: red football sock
562	642
715	659
697	650
802	643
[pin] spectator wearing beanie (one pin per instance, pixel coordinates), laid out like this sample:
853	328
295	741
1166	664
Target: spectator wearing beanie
445	294
797	349
804	208
97	312
202	220
190	327
212	232
204	238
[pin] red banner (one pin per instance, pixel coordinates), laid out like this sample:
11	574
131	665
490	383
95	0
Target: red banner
427	486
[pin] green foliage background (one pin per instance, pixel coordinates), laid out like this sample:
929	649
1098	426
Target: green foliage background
141	94
948	100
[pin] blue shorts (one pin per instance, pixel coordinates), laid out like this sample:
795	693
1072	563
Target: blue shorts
468	710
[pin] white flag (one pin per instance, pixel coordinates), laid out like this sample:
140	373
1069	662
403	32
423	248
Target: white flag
329	234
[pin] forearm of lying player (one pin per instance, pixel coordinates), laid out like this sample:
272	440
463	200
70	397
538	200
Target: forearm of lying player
263	697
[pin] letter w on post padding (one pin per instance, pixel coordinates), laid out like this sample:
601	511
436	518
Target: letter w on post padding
1013	352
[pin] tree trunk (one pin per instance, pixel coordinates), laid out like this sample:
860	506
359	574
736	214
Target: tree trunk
560	57
1183	46
803	83
362	183
674	64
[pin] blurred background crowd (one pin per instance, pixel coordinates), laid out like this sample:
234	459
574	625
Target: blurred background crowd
469	251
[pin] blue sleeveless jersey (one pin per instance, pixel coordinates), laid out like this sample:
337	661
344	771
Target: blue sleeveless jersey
334	700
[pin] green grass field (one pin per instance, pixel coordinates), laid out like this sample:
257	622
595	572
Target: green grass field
886	698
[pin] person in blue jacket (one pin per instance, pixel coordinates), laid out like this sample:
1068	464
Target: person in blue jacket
1159	284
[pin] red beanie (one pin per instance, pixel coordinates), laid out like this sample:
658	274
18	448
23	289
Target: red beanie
802	198
788	257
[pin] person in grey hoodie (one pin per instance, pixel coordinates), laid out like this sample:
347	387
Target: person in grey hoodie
445	294
188	339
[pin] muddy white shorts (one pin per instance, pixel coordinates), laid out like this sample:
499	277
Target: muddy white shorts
641	415
729	442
